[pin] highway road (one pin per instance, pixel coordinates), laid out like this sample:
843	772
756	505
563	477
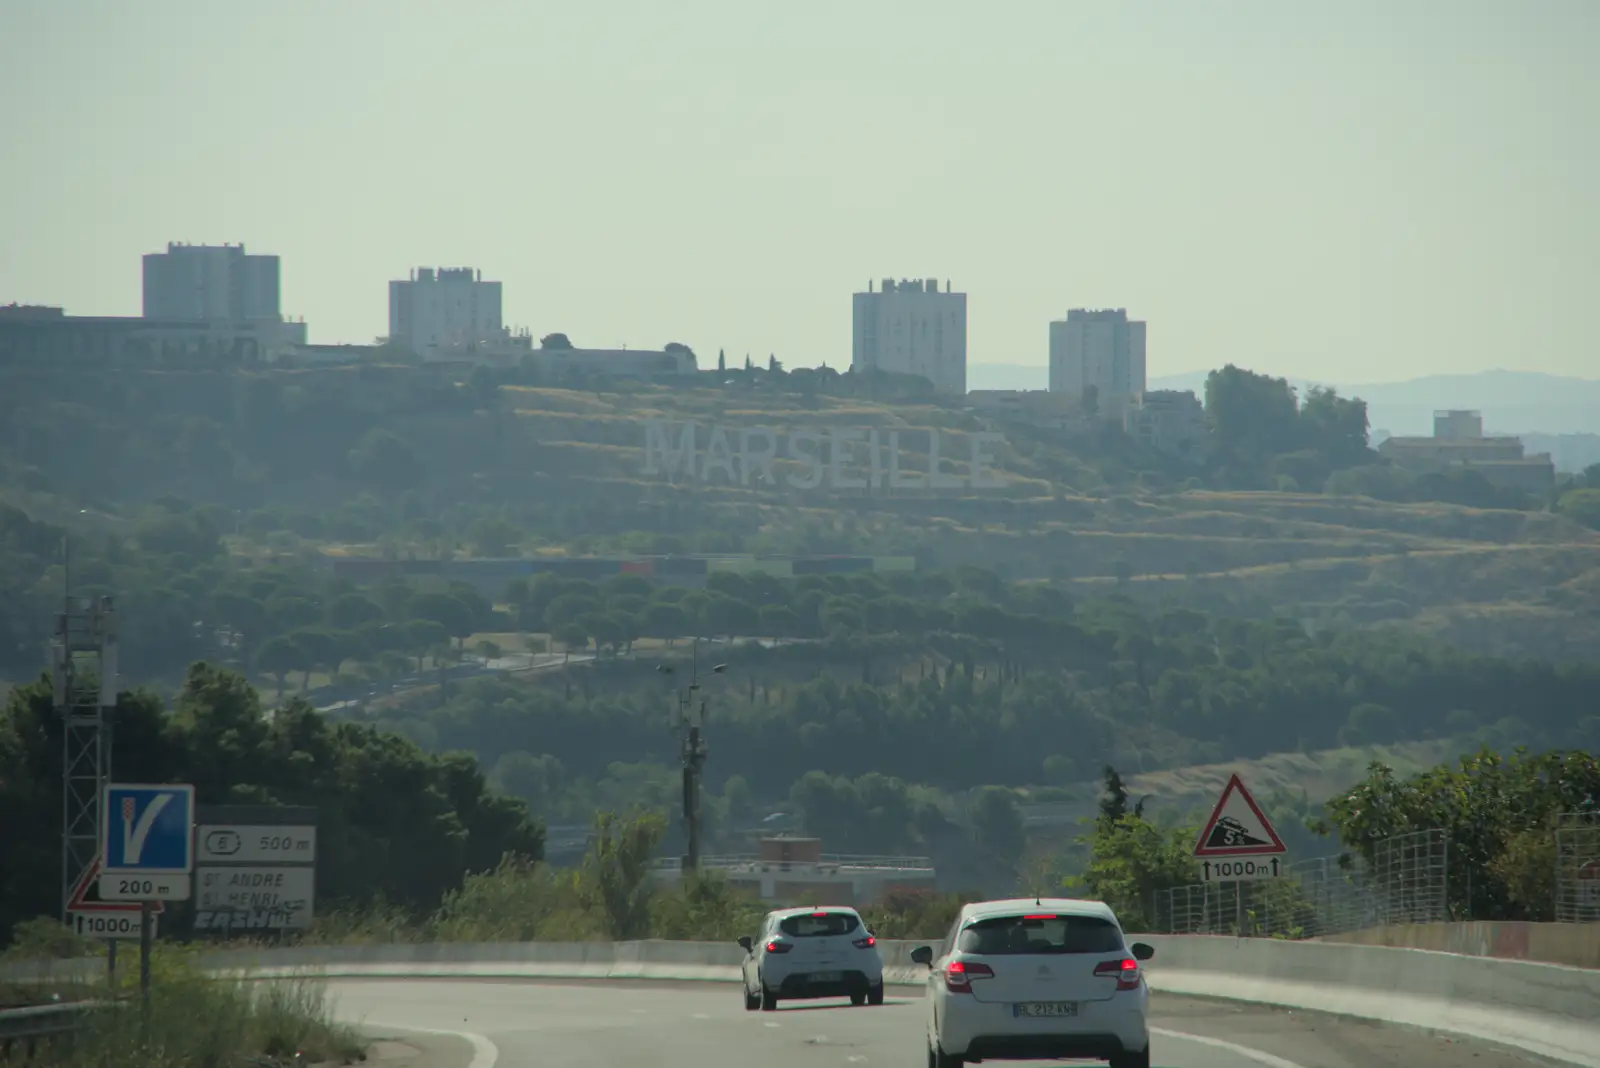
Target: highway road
697	1025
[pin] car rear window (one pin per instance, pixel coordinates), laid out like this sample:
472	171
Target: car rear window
819	925
1002	935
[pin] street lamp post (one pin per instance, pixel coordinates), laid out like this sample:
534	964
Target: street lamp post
692	751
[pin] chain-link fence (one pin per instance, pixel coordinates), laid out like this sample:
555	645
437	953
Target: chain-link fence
1578	867
1406	881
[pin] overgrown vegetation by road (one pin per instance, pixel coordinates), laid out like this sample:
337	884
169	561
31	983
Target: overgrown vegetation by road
193	1020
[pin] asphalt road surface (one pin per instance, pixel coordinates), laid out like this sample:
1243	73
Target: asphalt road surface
689	1025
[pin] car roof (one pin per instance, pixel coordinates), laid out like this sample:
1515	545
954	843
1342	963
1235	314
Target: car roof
1061	906
806	910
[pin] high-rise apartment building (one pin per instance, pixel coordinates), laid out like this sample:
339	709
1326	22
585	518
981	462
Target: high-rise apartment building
912	328
1100	353
210	284
448	308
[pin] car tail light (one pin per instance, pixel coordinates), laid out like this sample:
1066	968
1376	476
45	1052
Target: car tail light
778	947
959	974
1124	971
866	943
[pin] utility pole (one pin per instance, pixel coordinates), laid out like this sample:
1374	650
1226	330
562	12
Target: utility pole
83	663
691	751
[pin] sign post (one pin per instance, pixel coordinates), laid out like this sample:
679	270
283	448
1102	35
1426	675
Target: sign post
148	854
1238	844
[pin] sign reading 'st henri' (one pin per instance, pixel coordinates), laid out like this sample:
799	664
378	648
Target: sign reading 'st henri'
843	457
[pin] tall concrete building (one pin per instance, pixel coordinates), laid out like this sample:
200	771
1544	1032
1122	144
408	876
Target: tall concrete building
1102	349
448	308
210	284
912	328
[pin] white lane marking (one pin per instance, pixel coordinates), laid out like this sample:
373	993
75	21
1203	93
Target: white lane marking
770	1023
1256	1055
855	1059
484	1052
700	1016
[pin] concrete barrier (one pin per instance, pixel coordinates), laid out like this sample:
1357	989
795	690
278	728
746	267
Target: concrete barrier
1549	1010
1546	1009
1574	944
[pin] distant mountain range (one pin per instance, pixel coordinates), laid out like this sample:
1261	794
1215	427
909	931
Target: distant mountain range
1551	413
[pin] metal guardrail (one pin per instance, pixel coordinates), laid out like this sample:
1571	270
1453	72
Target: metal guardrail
25	1027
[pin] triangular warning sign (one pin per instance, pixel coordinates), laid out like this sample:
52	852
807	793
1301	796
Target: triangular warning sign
86	896
1238	827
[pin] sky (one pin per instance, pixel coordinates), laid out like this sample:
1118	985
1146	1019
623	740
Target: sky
1368	190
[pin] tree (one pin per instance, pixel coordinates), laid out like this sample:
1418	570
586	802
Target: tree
1495	810
722	361
374	790
423	635
998	829
556	342
385	462
1132	863
1583	505
665	621
277	657
774	365
494	537
616	871
572	636
354	610
458	618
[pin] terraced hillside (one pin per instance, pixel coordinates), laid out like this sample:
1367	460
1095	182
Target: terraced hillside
1089	513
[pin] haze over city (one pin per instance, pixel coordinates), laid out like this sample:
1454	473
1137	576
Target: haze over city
1363	193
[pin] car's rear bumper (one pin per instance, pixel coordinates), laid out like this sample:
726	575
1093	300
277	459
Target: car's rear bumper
806	985
989	1031
1046	1047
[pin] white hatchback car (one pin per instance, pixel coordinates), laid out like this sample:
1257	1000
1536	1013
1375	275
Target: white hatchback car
1036	979
812	953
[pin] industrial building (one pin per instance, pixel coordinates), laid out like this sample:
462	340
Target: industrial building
451	308
1170	421
1458	444
45	336
912	328
1097	357
211	284
795	871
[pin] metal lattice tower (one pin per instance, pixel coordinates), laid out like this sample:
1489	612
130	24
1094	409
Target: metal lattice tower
84	669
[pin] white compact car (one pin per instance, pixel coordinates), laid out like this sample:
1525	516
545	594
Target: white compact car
1036	979
812	953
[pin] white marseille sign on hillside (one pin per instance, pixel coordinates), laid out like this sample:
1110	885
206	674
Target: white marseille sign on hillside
843	457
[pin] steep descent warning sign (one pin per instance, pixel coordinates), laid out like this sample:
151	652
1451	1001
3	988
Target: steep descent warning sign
1238	827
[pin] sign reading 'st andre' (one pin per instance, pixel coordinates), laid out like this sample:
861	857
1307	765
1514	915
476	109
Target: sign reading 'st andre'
838	457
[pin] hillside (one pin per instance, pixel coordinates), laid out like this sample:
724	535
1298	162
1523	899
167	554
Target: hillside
403	462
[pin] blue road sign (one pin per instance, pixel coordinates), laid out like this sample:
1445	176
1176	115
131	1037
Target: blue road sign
149	829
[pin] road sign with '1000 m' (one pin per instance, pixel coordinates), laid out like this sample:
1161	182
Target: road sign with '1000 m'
149	842
1238	843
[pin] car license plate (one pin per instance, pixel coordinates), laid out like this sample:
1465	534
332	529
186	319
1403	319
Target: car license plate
1045	1008
826	977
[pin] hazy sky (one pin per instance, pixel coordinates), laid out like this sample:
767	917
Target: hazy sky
1352	190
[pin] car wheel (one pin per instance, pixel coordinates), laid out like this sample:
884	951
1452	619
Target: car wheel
938	1058
875	995
1132	1060
769	1000
752	1002
858	1000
